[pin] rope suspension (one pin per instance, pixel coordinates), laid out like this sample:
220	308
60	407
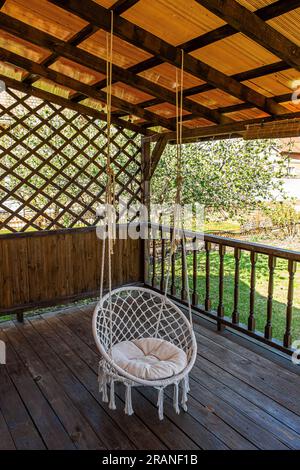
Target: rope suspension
119	318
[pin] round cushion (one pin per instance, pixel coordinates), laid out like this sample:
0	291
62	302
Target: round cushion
149	358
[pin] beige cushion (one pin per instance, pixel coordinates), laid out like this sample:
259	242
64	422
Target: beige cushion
149	358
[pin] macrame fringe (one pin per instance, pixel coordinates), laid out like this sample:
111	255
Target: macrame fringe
185	390
160	403
176	398
102	379
128	400
112	402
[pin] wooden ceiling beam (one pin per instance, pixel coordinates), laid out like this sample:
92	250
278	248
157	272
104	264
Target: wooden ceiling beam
99	16
63	80
266	13
222	129
85	110
61	48
153	161
248	23
249	75
123	5
80	36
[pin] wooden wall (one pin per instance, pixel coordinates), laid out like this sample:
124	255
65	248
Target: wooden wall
47	268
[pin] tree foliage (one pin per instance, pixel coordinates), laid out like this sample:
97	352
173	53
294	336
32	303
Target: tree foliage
229	177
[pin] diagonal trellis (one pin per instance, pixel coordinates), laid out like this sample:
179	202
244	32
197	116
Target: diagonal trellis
53	162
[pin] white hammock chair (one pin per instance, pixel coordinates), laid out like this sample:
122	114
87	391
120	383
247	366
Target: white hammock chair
136	313
144	339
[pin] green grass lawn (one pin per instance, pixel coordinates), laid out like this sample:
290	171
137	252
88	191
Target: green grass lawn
262	271
227	226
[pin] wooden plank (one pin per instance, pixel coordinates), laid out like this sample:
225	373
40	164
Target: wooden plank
255	413
87	90
99	16
225	129
59	266
49	427
170	435
259	359
85	110
77	430
248	23
48	346
268	12
274	409
234	393
246	427
123	5
263	439
67	50
84	365
154	158
261	379
185	421
24	434
216	425
6	441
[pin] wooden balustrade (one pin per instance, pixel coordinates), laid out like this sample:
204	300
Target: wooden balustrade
213	303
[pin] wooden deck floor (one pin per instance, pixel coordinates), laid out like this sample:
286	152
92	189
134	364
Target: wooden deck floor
49	398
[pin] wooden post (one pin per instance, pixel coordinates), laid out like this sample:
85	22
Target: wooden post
184	287
173	273
287	340
145	254
207	277
235	313
195	297
251	319
222	251
268	327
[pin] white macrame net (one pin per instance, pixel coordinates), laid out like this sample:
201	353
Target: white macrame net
134	313
130	313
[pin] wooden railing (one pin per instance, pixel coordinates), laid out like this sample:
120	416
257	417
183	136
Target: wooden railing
218	270
41	269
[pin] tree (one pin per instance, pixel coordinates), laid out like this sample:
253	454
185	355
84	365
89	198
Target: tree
283	215
230	177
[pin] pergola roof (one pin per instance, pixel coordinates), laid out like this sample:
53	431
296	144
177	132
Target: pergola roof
241	59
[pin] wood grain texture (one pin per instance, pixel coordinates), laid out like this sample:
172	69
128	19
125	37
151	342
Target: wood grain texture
55	267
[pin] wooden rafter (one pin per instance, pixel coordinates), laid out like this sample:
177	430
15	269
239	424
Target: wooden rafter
248	23
223	129
266	13
123	5
44	95
243	76
99	16
87	90
61	48
154	157
82	35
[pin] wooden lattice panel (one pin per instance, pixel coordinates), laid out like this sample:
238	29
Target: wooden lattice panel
52	165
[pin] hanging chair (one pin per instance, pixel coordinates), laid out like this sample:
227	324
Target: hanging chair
144	339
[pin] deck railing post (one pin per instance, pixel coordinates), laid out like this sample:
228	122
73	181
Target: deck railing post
251	318
287	340
153	281
222	251
195	297
268	327
235	313
184	287
162	258
173	272
207	276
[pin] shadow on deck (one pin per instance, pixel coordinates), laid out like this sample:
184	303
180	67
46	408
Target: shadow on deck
239	399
